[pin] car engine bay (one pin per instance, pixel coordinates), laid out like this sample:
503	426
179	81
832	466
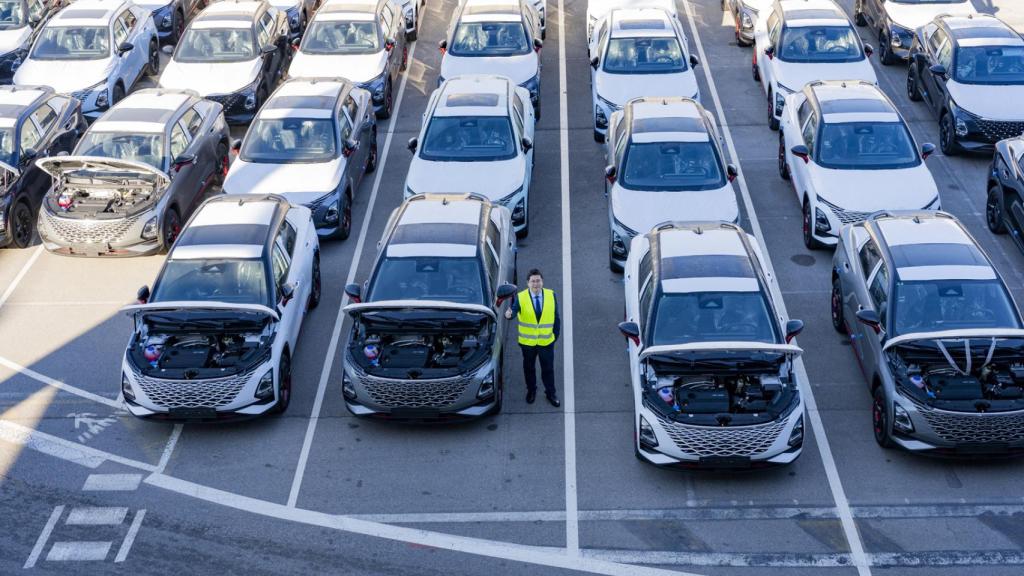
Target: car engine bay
391	352
102	196
191	352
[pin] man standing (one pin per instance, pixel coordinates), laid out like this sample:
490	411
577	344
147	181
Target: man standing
539	326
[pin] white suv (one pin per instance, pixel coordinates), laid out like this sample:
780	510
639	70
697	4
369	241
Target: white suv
664	163
849	153
639	52
800	41
477	136
711	365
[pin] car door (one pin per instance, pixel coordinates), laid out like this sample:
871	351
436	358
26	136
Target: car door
31	137
265	37
38	14
386	21
68	120
865	265
285	273
185	176
523	121
361	112
771	41
800	170
204	149
874	12
935	43
137	36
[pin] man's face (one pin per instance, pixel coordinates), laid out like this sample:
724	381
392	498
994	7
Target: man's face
535	283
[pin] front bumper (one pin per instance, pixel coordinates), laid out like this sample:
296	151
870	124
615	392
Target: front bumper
6	201
960	434
239	107
326	214
976	134
9	63
163	18
519	204
113	237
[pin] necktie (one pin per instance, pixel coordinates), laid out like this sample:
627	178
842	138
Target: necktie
536	305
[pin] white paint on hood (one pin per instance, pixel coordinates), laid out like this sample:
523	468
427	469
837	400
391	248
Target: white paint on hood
358	68
299	182
210	77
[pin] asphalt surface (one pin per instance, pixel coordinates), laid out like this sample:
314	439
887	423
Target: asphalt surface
85	488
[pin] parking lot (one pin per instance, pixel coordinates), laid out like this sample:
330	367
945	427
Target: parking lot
535	490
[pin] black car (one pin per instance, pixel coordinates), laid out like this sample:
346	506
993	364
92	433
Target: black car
894	22
20	22
970	72
1004	207
34	122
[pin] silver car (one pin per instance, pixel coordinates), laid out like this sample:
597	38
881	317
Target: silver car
936	332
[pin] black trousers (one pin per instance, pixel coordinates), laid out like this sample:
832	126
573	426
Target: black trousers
547	367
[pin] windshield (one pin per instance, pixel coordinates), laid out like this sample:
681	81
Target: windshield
216	45
234	281
712	317
7	146
644	56
866	145
468	139
337	37
290	140
934	305
672	166
489	39
428	278
12	14
66	43
820	44
145	148
990	65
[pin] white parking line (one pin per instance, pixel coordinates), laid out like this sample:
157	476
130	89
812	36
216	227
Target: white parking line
78	551
339	320
169	448
96	516
21	274
112	482
15	367
828	462
572	522
43	537
129	539
64	449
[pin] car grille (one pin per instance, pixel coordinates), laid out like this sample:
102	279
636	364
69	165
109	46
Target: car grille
440	393
995	130
226	100
846	216
209	393
965	427
703	441
74	231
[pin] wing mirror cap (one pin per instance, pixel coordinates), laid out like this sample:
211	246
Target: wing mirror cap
594	62
413	144
287	292
801	152
770	52
937	69
354	292
869	50
505	291
168	49
389	44
793	328
611	173
125	47
527	144
731	172
142	296
537	44
630	330
870	318
694	61
927	149
442	46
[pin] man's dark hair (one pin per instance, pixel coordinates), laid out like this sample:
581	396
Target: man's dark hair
534	272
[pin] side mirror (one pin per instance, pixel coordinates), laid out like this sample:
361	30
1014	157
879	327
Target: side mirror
28	155
442	46
610	173
927	149
527	144
770	52
694	61
294	38
937	69
413	144
389	44
630	330
537	44
168	49
236	144
505	291
594	62
731	172
801	151
287	292
184	160
354	292
268	49
125	47
793	327
870	318
142	296
348	147
869	50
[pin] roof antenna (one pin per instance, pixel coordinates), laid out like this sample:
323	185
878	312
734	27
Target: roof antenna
444	201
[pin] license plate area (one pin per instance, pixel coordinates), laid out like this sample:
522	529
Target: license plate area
202	413
725	462
416	413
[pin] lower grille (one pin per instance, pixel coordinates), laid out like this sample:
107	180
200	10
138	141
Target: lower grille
82	231
963	427
212	393
704	441
846	216
440	393
226	100
995	130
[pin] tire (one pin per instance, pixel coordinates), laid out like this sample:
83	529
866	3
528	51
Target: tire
224	161
598	137
284	377
171	228
405	59
880	424
411	36
22	225
520	234
154	57
500	388
117	95
838	320
947	135
913	90
344	217
389	102
995	216
317	289
783	167
177	25
887	57
754	70
858	15
773	123
371	163
536	110
810	241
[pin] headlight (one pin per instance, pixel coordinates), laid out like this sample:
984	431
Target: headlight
901	419
149	231
821	224
487	384
347	388
376	87
163	18
796	437
603	112
780	98
621	237
899	36
647	436
747	17
533	85
265	389
126	387
960	119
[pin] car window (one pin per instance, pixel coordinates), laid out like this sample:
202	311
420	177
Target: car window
350	106
519	112
493	235
945	55
935	41
120	31
645	265
803	112
280	264
346	127
35	9
646	291
129	20
265	29
869	258
30	136
808	132
602	33
774	26
620	145
179	141
192	121
491	263
879	291
489	39
287	237
386	21
46	117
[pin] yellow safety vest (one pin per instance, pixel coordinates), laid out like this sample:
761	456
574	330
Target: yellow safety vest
531	331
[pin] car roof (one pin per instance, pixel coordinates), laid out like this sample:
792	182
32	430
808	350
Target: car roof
799	13
88	13
931	246
852	101
231	226
704	257
667	119
15	100
146	111
640	22
442	225
306	98
363	10
491	11
981	30
222	14
473	95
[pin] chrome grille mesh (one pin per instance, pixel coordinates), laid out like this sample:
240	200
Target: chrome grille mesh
75	231
210	393
440	393
965	427
995	130
226	100
704	441
846	216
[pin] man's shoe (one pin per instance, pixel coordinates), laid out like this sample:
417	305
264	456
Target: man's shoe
531	396
554	401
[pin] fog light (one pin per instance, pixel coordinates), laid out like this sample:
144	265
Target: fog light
519	213
821	224
901	419
149	231
126	387
600	119
961	127
486	386
796	437
265	389
348	390
647	437
331	216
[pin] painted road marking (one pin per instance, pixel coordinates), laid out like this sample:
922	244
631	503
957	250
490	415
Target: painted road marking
78	551
43	537
90	424
112	482
21	275
172	441
96	516
11	365
133	531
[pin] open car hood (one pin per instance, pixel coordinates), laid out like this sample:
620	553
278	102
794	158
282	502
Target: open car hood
981	333
58	166
355	310
184	306
789	350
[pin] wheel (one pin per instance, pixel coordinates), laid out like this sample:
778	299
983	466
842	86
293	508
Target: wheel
22	225
284	390
536	110
224	163
405	59
887	58
171	228
598	137
500	388
154	57
389	102
753	68
783	167
995	210
525	230
773	122
345	214
947	135
880	419
613	265
371	162
858	14
838	322
317	289
117	95
412	34
810	241
913	91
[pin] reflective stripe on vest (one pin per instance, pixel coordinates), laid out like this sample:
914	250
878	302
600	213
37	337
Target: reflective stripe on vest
531	331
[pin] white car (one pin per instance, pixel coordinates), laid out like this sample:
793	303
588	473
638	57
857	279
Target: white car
215	337
849	153
801	41
495	37
745	14
641	52
20	21
598	9
94	50
312	142
477	136
664	163
233	53
363	40
710	359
